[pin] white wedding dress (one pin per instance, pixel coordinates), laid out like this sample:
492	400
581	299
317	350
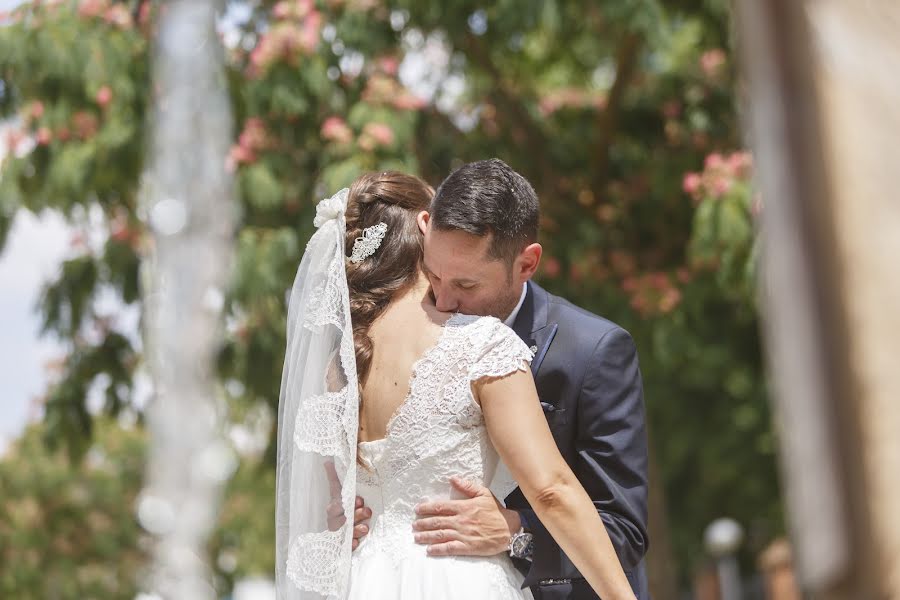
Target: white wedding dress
438	432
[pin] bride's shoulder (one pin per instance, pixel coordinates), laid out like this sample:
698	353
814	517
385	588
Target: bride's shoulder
492	348
473	322
478	327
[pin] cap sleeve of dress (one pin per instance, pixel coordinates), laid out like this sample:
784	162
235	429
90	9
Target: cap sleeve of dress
500	351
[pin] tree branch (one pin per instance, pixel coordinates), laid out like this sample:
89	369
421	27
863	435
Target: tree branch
508	102
626	65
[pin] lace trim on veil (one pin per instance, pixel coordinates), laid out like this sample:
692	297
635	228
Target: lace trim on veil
319	561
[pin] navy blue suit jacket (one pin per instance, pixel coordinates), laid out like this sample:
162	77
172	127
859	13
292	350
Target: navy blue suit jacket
589	384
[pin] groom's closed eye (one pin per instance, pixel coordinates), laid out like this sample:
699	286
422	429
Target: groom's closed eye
429	274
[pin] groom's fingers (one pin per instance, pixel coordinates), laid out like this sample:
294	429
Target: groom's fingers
444	508
469	488
441	536
361	514
360	530
453	548
434	523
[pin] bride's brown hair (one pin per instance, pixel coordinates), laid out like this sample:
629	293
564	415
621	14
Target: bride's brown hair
392	198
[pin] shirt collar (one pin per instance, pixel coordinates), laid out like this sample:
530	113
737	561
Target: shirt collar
515	313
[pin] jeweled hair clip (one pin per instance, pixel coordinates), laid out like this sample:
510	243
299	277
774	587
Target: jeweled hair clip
370	241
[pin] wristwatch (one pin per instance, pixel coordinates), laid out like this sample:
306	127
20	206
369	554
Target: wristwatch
521	544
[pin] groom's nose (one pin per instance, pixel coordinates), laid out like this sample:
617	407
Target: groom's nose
444	301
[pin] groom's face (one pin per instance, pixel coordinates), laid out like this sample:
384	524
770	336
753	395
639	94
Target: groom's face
465	278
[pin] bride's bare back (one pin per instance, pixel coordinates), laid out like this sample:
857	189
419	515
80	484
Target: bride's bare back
408	328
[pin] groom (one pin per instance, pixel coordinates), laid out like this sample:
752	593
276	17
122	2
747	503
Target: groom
480	253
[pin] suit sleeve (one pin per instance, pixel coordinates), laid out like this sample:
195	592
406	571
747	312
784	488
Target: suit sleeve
611	447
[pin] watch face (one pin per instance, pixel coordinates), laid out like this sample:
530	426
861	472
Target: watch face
520	544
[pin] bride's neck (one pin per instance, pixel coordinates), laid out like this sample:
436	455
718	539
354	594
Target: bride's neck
417	293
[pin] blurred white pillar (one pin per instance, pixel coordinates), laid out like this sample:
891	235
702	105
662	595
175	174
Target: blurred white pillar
823	101
187	203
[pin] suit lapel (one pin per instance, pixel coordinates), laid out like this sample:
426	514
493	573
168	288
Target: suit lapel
542	339
531	324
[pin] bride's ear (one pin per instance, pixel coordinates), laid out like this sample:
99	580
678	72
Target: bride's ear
422	219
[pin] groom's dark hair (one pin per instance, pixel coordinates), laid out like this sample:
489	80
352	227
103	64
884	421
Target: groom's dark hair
488	198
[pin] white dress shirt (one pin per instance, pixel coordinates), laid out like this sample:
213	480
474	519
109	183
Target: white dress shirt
515	313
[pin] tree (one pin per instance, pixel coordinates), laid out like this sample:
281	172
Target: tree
70	532
605	107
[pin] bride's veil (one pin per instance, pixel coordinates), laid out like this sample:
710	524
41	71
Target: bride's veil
318	418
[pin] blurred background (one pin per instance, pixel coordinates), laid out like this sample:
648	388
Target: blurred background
625	116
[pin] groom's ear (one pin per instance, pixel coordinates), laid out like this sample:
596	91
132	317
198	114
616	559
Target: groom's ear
528	261
422	219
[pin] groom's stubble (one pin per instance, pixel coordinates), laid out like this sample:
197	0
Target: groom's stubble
465	277
500	307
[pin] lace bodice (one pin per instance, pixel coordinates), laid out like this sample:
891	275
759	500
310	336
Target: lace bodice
437	432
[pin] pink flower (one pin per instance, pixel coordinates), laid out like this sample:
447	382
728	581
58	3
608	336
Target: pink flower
335	129
237	156
714	161
551	267
36	110
309	38
388	64
691	183
740	163
85	123
43	136
281	10
711	61
104	96
119	230
303	7
271	45
721	185
118	15
78	240
659	281
144	12
639	303
548	106
254	135
382	134
408	101
670	299
91	8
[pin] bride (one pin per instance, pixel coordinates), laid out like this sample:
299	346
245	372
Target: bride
385	397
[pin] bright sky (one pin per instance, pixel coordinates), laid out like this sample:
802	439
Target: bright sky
33	251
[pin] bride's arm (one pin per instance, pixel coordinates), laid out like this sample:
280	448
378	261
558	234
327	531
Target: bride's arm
520	434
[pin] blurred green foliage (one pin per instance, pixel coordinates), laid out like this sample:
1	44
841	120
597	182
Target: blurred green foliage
620	112
71	532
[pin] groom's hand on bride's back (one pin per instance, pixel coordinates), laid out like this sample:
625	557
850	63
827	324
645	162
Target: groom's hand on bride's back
474	526
335	512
